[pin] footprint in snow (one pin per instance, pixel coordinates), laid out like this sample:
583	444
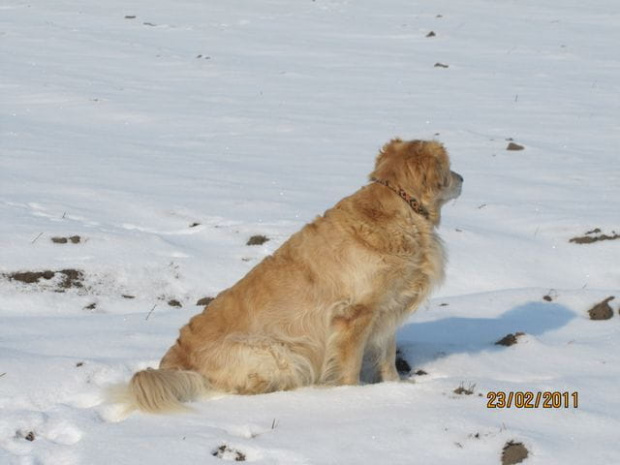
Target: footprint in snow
41	437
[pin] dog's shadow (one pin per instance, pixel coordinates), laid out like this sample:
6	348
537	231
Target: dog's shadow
420	343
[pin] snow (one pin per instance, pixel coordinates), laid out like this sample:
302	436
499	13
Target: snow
126	124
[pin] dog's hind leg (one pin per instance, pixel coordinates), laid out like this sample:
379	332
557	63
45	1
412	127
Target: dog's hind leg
381	357
249	364
350	327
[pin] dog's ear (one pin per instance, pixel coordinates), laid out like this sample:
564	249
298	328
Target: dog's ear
386	160
419	165
388	150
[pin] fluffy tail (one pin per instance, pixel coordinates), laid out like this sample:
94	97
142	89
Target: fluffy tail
162	390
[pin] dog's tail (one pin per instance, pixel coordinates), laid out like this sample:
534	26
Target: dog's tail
161	390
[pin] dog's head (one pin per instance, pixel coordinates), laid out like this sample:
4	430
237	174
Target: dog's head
422	169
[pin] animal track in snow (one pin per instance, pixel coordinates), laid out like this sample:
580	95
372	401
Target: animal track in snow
60	431
45	439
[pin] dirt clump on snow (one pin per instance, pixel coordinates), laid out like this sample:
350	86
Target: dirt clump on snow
27	435
514	452
31	277
227	453
66	240
602	310
258	239
467	391
510	339
594	235
175	303
70	278
513	147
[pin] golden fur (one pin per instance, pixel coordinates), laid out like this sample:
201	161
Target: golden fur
329	299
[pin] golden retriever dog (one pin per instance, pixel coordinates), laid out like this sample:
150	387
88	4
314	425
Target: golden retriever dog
328	300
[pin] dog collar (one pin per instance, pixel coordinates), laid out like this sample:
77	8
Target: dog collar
415	205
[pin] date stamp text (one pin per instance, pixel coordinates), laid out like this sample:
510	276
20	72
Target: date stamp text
530	399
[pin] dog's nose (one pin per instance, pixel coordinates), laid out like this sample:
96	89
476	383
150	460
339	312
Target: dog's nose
459	176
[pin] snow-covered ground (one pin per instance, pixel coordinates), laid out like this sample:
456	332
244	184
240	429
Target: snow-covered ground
165	133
